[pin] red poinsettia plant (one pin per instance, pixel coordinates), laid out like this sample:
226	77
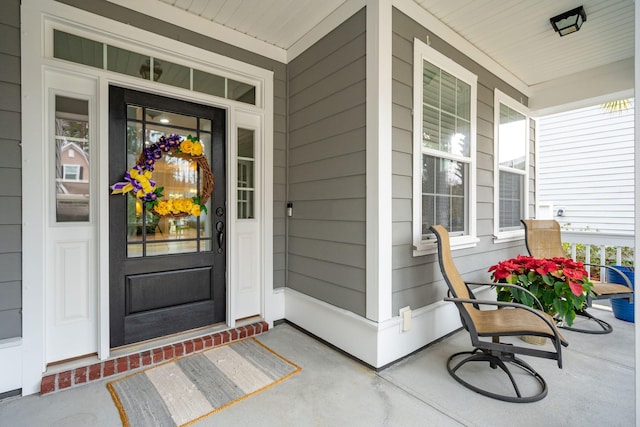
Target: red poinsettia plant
561	284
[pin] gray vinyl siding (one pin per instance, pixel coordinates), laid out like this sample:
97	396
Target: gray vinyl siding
153	25
416	281
587	168
327	95
10	172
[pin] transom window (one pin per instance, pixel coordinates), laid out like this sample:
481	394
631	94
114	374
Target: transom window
444	145
511	170
80	50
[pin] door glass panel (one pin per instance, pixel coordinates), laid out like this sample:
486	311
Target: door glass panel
246	178
205	225
134	251
205	125
72	161
135	142
170	119
181	178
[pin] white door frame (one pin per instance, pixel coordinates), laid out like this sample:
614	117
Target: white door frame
38	19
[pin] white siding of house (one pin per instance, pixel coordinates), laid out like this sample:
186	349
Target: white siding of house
585	168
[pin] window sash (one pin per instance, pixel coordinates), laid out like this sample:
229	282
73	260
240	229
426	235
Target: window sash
511	166
511	189
444	129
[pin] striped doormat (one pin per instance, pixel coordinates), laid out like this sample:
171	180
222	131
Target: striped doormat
185	390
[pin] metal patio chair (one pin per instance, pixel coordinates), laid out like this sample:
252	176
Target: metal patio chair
506	320
543	240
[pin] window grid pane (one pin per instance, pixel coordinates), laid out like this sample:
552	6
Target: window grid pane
511	206
446	112
446	203
246	173
512	135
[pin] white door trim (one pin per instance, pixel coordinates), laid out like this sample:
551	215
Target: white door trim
38	17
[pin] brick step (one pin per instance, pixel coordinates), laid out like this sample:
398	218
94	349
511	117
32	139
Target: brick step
119	365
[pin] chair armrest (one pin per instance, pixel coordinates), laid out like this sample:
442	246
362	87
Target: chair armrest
621	273
538	313
479	284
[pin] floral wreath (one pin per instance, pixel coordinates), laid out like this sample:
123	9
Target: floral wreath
138	182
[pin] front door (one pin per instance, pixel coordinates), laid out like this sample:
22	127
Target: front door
167	269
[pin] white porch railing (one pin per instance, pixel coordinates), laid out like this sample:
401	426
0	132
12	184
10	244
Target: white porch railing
600	240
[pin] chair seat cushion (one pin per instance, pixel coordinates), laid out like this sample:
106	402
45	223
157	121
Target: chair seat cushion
602	288
513	321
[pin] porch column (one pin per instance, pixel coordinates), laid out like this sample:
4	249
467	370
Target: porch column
379	221
637	199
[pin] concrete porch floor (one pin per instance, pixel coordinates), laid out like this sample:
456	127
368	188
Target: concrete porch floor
595	388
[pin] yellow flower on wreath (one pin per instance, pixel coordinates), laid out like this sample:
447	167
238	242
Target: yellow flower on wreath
162	208
177	206
197	149
191	146
186	146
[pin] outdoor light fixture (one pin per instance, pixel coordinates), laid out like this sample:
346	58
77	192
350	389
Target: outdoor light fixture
569	22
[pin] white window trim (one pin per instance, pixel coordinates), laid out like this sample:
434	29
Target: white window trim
512	235
421	51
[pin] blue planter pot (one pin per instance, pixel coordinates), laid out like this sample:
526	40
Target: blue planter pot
622	309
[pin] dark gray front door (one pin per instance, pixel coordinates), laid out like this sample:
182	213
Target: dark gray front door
167	273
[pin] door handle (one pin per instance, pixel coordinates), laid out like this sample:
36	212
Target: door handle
220	229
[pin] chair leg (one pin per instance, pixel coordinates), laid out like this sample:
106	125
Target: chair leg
495	362
606	327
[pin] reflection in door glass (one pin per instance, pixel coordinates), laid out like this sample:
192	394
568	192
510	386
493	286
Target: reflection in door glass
72	165
149	234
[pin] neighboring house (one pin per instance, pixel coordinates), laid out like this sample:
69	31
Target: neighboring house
72	183
383	122
586	168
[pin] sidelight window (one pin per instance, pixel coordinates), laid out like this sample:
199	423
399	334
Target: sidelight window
72	159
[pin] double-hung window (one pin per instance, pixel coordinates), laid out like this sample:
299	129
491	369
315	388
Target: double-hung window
444	147
511	145
71	172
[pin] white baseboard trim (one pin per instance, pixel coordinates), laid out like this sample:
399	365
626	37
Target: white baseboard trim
10	364
347	331
427	325
276	311
376	344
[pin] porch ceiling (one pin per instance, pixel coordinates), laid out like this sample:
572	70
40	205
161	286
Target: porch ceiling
516	34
